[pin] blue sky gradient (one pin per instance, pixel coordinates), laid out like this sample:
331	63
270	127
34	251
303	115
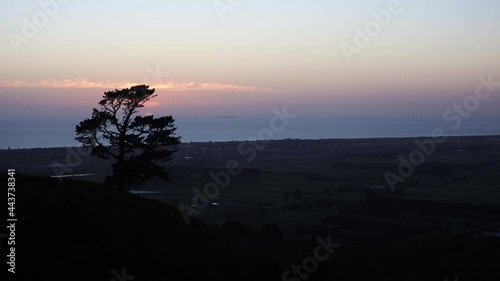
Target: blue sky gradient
264	54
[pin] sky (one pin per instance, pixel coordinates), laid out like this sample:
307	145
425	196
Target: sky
244	58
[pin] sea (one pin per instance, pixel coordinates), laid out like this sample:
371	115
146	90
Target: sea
61	133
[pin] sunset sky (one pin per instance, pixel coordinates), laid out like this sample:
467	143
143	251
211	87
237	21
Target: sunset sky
261	55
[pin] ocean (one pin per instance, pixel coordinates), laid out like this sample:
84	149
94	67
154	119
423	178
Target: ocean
60	133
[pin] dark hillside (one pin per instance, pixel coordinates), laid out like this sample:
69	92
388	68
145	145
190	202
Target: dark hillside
82	231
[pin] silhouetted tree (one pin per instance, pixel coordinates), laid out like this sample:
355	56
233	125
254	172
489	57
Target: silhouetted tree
137	144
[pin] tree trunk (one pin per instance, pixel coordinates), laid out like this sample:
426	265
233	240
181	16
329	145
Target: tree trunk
120	165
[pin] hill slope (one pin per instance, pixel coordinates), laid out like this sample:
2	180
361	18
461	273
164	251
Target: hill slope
83	231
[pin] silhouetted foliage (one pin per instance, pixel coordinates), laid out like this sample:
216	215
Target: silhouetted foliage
136	143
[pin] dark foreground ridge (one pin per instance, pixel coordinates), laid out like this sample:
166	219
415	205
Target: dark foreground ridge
75	230
84	231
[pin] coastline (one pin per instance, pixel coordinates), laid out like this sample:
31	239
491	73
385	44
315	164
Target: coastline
364	139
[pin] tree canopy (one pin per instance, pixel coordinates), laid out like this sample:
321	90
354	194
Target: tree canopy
137	144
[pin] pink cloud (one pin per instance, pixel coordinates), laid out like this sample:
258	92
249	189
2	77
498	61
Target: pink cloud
170	86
